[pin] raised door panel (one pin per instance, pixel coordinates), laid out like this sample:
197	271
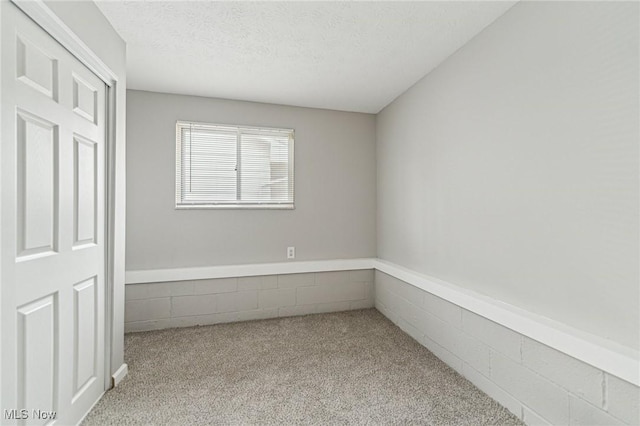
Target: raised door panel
85	191
37	172
36	69
85	343
37	358
85	99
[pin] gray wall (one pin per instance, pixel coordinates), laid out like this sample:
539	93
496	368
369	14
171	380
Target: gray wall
334	183
512	169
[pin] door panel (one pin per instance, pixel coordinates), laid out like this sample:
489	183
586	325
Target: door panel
85	324
37	366
85	180
35	68
85	99
36	174
52	212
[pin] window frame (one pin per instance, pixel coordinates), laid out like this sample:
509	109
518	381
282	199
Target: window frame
228	205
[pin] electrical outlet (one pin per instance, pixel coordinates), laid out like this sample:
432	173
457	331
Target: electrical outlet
291	252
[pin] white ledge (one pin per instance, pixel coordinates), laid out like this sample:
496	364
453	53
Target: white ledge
250	270
613	358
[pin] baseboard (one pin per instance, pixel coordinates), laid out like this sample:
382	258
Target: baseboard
603	354
119	375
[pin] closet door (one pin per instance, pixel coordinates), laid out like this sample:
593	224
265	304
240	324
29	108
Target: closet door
52	252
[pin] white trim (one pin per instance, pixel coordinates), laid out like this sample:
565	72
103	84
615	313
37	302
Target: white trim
249	270
239	206
119	374
613	358
51	23
110	222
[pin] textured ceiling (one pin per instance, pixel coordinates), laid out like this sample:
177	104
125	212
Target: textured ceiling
351	56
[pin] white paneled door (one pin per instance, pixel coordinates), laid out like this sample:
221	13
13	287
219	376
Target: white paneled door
52	169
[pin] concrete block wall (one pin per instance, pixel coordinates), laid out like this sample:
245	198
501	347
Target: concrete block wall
155	306
537	383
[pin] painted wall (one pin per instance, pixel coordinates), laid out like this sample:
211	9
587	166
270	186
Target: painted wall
512	169
334	214
89	24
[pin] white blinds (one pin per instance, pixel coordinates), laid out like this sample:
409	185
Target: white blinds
228	166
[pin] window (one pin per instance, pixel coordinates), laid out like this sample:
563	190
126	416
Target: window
219	166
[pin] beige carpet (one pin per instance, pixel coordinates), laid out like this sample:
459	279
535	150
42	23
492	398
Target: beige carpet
344	368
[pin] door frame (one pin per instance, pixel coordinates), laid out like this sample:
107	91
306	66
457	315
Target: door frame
42	15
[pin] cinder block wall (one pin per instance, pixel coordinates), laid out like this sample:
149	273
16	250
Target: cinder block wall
155	306
535	382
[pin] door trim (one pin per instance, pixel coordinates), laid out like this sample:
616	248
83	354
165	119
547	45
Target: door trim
42	15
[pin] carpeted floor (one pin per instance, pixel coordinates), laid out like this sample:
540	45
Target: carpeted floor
344	368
